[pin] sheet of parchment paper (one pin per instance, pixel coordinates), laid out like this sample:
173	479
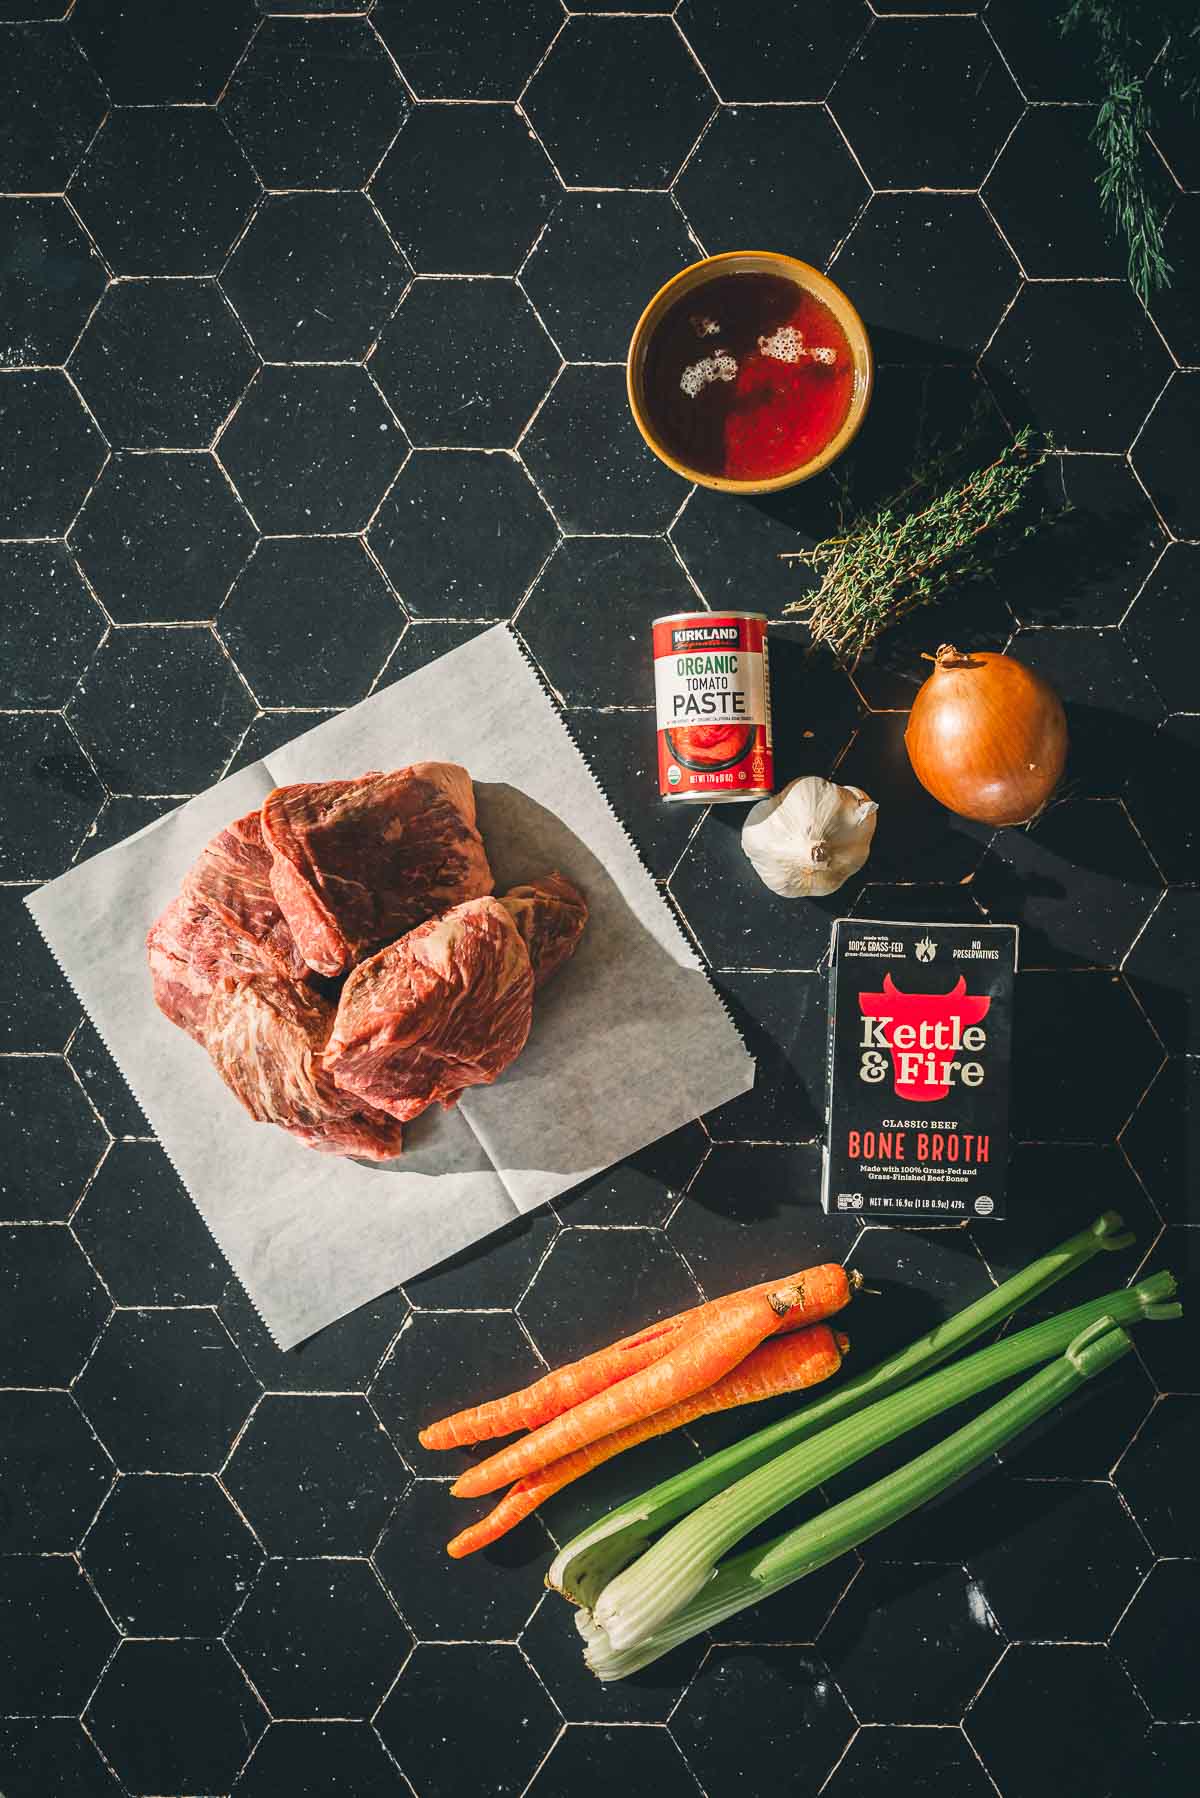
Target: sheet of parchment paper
628	1042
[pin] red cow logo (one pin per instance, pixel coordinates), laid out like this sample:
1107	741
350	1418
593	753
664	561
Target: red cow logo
925	1034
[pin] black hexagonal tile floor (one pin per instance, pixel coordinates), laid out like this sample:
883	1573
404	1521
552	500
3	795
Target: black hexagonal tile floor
164	191
1083	1055
486	1597
271	730
315	1475
618	102
51	637
148	57
470	53
44	77
1164	971
315	102
319	1638
314	277
465	363
162	363
1048	64
642	1759
317	1760
54	1636
1103	540
1045	196
174	1713
908	1760
440	1362
1174	127
912	1644
620	749
1162	455
170	1556
782	1695
1096	397
52	1754
138	1224
591	464
275	622
424	641
1074	1701
52	279
635	1278
53	453
50	798
37	1008
344	1357
52	1139
1111	707
753	1213
550	1641
930	275
1176	308
479	1278
640	579
727	542
118	820
779	1016
1162	1139
1153	785
53	1306
509	1710
629	243
926	102
166	1391
924	1276
160	710
1161	625
55	1473
465	190
740	187
764	52
1154	1476
642	1189
913	830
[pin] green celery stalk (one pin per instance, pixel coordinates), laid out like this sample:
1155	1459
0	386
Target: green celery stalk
591	1559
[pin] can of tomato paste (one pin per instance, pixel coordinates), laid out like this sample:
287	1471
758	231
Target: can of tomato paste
713	702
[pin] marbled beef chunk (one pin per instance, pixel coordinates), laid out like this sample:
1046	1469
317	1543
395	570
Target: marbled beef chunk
266	1039
356	863
551	914
447	1007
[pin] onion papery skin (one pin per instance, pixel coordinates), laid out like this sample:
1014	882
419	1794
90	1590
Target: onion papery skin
987	737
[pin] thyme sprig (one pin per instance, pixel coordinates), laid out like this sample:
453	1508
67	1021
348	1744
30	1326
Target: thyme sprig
890	563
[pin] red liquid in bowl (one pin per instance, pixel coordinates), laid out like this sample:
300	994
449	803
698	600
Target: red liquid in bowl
747	377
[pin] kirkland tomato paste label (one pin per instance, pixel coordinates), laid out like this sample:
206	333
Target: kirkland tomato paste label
713	705
920	1032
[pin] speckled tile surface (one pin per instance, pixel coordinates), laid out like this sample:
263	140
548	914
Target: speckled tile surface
314	313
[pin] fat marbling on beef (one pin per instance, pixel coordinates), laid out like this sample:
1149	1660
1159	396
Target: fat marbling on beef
357	863
550	913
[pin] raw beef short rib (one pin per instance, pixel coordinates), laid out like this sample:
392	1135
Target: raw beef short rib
357	863
550	914
447	1007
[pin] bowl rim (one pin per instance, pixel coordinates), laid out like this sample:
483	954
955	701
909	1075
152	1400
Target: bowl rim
696	275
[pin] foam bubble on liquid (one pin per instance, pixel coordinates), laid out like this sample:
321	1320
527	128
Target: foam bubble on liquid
784	345
704	326
820	353
720	366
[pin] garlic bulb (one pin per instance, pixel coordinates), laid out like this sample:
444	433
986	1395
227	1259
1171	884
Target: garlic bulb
807	840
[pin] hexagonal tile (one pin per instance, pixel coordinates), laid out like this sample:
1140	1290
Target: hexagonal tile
1044	194
314	277
311	1760
465	190
142	1231
53	1306
1079	883
1174	126
486	1598
550	1641
640	579
941	904
119	819
618	102
1162	455
752	1213
642	1189
160	709
1090	562
312	449
162	363
930	275
1176	308
315	103
55	1473
53	453
1095	398
782	1695
147	57
1154	1477
52	279
1164	972
630	244
590	462
440	1362
779	1016
45	77
54	1636
1162	1139
170	1556
442	571
465	363
908	1760
926	102
37	1007
343	1357
161	537
50	798
315	1475
319	1638
470	54
42	1754
205	1718
740	186
1071	1082
635	1278
271	730
49	639
620	749
1160	625
912	1644
1111	707
644	1759
51	1138
275	622
757	52
1048	64
913	830
1073	1700
423	642
471	1280
508	1707
166	1391
164	191
1153	786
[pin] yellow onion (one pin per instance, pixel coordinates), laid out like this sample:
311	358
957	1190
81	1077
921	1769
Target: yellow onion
987	736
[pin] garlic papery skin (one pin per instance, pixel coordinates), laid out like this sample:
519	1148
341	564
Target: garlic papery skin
809	839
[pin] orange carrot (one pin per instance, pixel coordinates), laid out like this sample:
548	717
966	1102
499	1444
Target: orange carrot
699	1358
783	1364
567	1386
